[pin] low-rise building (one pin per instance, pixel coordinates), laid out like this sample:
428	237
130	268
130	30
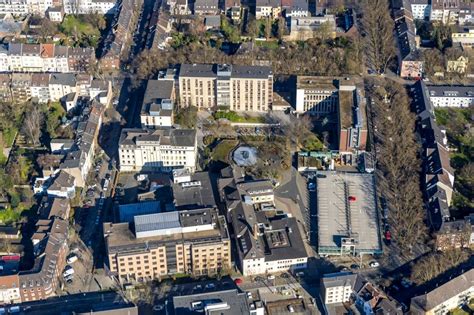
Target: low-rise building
267	9
466	38
10	289
233	9
352	121
445	298
191	241
206	7
347	214
63	185
161	149
451	96
458	65
354	291
158	103
304	28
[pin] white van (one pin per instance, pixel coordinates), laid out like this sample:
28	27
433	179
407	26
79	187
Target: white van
68	272
72	258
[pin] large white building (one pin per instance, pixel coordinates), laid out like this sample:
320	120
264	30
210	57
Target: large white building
337	287
161	149
316	95
451	96
158	103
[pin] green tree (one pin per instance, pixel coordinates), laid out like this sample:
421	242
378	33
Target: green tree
187	117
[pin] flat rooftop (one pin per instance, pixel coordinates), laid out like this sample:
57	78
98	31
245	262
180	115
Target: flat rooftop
121	237
312	82
228	302
195	194
338	217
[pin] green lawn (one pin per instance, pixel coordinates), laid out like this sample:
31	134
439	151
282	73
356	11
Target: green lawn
234	117
271	44
221	151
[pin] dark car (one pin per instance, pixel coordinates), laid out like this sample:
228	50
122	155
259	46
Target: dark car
355	266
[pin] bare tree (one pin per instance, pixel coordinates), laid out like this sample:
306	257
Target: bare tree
32	125
377	28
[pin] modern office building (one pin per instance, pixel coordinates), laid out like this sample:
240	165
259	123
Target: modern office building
155	245
233	87
316	95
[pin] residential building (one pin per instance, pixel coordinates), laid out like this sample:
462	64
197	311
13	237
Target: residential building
48	58
4	60
304	28
238	88
458	65
192	190
454	234
410	61
267	9
5	90
421	9
191	241
55	14
452	11
163	149
78	161
212	22
347	214
10	289
158	104
40	87
466	38
439	175
63	186
451	96
206	7
352	121
316	95
445	298
267	241
338	287
233	9
295	8
41	282
356	292
20	87
61	84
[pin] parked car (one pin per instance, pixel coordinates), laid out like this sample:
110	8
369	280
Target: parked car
311	186
291	309
355	266
71	259
374	264
271	277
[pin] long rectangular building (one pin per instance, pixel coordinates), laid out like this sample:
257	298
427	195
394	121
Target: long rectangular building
160	149
190	241
233	87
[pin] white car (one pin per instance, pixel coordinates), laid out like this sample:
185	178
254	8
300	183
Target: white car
374	264
271	277
72	258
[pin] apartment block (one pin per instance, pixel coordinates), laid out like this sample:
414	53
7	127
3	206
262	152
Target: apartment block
41	7
445	298
304	28
267	9
316	95
190	241
46	58
237	88
337	287
158	104
160	149
451	96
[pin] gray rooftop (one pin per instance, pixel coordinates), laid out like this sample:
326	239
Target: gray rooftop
237	71
451	91
166	136
127	212
198	193
339	218
157	221
229	302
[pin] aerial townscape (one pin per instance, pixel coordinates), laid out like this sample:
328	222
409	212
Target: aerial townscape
227	157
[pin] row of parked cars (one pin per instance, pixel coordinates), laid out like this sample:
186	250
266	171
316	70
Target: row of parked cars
68	273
